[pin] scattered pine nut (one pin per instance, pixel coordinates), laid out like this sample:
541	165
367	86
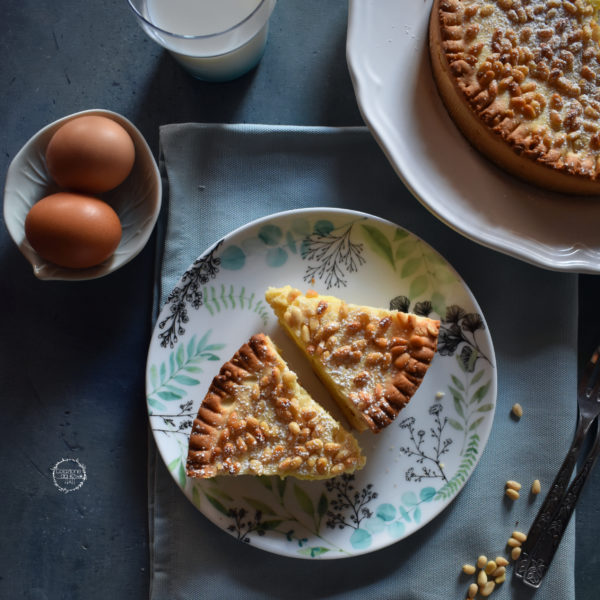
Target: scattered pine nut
518	535
499	572
512	494
487	589
500	579
482	578
536	487
468	569
515	553
517	410
473	589
482	561
513	543
490	567
501	561
513	485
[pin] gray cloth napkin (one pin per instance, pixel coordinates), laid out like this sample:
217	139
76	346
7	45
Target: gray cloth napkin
221	177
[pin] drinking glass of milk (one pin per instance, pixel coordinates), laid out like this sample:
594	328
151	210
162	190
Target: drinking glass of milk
215	40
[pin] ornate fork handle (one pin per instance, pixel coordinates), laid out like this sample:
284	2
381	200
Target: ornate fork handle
541	554
554	497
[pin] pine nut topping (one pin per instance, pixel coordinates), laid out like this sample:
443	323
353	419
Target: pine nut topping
332	448
285	464
296	462
322	464
256	466
311	461
337	469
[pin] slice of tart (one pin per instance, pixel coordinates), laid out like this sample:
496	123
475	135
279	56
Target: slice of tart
371	360
520	78
256	419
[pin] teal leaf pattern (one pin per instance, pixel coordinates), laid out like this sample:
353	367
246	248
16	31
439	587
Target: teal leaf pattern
178	470
313	551
379	243
324	227
468	405
304	500
276	257
460	477
171	378
392	520
271	235
233	258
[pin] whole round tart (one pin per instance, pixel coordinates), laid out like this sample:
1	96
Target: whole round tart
520	78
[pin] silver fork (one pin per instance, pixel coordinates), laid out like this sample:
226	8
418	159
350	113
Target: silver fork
553	517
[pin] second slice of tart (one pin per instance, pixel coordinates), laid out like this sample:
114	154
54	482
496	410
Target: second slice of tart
256	419
372	360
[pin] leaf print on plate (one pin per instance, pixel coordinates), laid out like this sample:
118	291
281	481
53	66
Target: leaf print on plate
368	261
427	457
393	521
349	508
222	299
331	254
187	293
270	241
466	466
379	243
169	378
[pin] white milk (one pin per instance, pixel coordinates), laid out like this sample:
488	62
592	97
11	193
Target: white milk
216	40
199	17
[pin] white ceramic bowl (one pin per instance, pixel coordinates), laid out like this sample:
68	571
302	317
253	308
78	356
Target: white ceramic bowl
137	200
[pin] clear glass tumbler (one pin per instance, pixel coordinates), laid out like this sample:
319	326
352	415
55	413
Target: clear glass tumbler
215	40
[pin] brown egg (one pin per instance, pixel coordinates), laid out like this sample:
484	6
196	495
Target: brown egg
90	154
73	230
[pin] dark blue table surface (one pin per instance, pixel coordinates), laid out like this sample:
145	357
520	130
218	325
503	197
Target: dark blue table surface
73	354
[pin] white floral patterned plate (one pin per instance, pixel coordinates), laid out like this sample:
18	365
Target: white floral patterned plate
414	468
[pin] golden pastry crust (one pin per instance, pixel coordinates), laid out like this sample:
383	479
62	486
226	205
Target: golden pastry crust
256	419
520	79
372	360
